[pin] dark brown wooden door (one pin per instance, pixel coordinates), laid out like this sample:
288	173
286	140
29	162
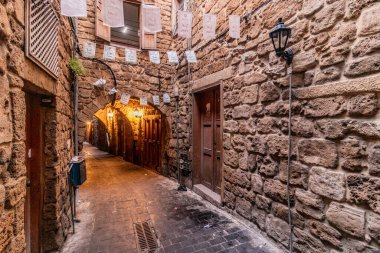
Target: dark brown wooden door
211	140
34	163
152	142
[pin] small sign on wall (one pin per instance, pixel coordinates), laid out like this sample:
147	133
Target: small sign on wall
156	100
131	56
191	57
109	53
209	26
166	98
143	101
173	57
185	23
234	23
125	99
89	49
154	57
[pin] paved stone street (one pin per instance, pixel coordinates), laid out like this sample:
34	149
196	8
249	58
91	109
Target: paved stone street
118	194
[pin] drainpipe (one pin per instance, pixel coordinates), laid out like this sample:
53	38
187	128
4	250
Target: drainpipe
76	139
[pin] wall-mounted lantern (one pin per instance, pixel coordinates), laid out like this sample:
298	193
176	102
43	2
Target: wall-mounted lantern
138	114
280	36
110	115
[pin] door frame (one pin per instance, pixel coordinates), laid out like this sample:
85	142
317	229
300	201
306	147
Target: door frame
196	130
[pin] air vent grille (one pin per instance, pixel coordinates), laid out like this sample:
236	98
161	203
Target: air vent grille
146	237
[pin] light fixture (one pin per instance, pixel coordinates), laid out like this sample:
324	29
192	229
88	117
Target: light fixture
280	36
125	29
110	114
138	114
176	91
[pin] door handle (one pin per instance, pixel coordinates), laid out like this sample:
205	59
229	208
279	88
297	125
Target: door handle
28	183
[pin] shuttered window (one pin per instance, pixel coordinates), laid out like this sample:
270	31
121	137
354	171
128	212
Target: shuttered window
42	35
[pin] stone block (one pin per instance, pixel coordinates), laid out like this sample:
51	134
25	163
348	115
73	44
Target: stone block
277	145
263	203
325	233
334	55
354	7
373	225
277	191
347	219
318	152
15	192
242	112
229	199
267	167
327	75
256	183
231	158
374	161
325	107
364	190
277	229
304	61
267	125
369	22
342	33
304	242
5	27
254	78
247	126
281	211
353	151
328	184
249	95
231	126
2	199
366	65
327	17
367	45
244	208
310	204
257	144
238	142
363	105
269	92
299	174
259	217
311	6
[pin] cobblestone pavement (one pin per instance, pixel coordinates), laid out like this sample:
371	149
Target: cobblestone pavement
118	194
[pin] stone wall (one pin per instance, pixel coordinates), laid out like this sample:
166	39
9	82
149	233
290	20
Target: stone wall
335	127
17	76
142	79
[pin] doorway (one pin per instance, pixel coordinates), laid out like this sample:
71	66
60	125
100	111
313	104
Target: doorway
34	163
152	142
207	139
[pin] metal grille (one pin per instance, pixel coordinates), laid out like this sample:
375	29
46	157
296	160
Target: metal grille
146	237
42	35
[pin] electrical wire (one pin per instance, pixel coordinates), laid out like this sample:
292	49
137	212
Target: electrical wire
290	218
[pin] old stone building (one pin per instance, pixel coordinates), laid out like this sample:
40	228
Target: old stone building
231	135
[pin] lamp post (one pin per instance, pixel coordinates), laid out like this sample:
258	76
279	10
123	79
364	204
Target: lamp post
280	37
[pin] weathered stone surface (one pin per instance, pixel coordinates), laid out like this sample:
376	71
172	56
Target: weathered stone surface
304	61
332	129
257	144
304	242
325	107
5	28
353	151
263	203
327	17
238	142
311	6
373	225
302	127
364	190
363	105
325	233
247	126
268	92
231	158
348	219
366	45
299	173
318	152
342	33
241	112
244	208
281	211
267	125
259	217
254	77
229	199
277	191
326	75
374	161
277	229
355	7
237	177
370	21
257	183
267	167
366	65
249	95
2	199
310	204
328	184
231	126
277	145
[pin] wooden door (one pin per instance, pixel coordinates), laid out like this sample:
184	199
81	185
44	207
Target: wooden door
34	164
152	142
211	164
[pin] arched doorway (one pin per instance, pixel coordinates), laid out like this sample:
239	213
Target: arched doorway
136	133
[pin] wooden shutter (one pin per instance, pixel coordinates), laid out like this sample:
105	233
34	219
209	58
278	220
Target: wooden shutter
148	40
102	31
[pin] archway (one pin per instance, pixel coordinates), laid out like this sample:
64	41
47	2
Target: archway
137	133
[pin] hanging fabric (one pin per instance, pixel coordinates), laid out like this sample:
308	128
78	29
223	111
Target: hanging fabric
154	57
151	18
74	8
173	57
109	53
166	98
185	22
209	26
131	56
89	49
143	101
125	98
113	13
156	100
234	23
191	57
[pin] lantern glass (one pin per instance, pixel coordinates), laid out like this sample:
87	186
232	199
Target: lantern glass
280	36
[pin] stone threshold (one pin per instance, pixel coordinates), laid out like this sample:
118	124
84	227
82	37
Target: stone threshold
207	194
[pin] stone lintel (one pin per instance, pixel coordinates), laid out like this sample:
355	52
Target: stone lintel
365	84
209	80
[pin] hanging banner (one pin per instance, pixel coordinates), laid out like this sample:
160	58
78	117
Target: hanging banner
173	57
89	49
125	99
209	26
100	82
156	100
151	18
113	13
154	57
74	8
109	53
185	23
234	22
191	57
166	98
143	101
112	91
131	56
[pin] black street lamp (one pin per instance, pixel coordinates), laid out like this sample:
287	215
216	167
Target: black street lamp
280	36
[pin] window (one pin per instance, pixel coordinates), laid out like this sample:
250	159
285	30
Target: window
129	34
177	5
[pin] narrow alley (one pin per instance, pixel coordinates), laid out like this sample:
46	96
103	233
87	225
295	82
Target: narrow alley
118	194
